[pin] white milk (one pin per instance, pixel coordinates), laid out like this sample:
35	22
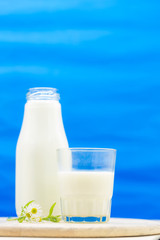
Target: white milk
41	134
86	193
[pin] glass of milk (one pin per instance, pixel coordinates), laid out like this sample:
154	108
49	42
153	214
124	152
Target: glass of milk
86	183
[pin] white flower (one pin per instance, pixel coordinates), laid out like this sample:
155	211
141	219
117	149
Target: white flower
33	212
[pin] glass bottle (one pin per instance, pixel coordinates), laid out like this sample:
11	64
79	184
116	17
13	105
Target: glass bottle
41	134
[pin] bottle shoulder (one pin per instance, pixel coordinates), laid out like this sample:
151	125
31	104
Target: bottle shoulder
42	125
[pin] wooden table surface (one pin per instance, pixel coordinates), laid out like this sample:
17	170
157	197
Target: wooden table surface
153	237
115	228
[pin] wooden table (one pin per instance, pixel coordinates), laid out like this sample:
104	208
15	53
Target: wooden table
115	228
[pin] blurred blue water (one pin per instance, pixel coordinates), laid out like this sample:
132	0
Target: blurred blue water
104	57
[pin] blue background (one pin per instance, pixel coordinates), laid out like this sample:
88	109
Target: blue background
104	57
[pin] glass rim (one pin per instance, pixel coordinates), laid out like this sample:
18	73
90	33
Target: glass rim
82	149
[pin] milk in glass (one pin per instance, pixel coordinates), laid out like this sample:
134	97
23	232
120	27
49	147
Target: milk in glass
86	193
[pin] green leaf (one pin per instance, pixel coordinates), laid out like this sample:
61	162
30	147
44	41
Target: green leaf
55	219
21	219
22	212
45	219
58	218
52	219
12	219
28	203
51	210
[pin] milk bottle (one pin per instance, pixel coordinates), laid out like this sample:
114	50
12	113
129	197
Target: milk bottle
41	134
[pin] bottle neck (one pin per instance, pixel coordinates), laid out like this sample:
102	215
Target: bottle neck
42	116
42	93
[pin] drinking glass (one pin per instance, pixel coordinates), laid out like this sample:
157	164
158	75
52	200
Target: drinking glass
86	177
